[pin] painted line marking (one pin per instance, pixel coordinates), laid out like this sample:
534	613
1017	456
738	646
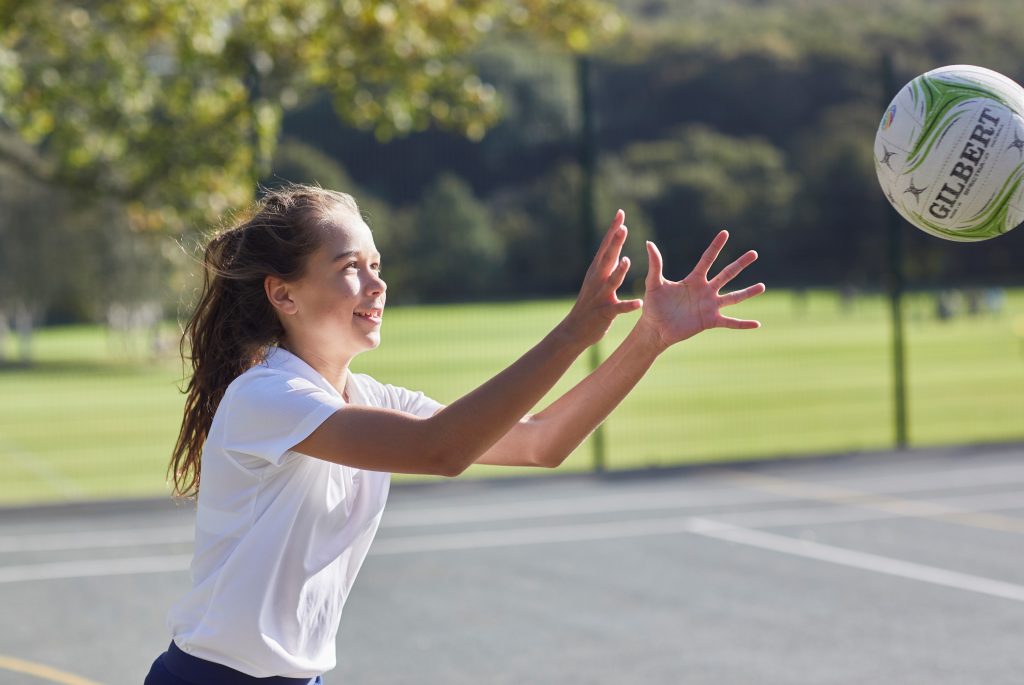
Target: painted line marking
849	511
574	533
53	675
599	504
445	542
836	513
97	539
865	561
91	568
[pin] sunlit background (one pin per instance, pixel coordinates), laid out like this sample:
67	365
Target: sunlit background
489	144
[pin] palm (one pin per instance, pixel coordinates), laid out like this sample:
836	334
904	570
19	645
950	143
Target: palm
676	310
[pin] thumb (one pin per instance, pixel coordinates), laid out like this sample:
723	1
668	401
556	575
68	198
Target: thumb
626	306
654	266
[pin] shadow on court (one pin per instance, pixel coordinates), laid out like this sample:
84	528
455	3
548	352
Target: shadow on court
895	568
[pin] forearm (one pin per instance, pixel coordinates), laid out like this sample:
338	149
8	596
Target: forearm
456	436
560	428
472	424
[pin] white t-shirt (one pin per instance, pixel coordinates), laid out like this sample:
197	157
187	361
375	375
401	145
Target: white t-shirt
280	536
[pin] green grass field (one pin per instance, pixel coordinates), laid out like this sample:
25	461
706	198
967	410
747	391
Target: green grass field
93	419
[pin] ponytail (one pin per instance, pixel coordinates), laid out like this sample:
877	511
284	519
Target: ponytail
234	324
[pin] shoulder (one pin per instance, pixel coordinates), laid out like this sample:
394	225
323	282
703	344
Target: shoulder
372	391
266	411
264	379
267	390
386	396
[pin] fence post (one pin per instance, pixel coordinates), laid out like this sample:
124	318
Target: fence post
588	234
896	284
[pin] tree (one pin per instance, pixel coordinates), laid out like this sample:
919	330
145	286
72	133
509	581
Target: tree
541	225
174	106
700	181
455	255
34	251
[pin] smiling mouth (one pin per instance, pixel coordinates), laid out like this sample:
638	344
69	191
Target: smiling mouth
375	315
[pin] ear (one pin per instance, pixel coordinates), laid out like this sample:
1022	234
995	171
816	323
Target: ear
279	294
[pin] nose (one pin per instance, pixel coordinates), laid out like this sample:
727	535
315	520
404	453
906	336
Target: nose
376	285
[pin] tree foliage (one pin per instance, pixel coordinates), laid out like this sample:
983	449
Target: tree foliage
700	180
175	106
454	253
739	114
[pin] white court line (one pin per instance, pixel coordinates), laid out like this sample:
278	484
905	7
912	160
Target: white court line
410	518
414	544
573	533
756	518
97	539
91	568
865	561
445	542
600	504
956	479
854	513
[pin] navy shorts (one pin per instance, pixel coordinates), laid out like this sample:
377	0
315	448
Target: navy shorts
175	667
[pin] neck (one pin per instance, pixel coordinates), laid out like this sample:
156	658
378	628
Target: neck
333	368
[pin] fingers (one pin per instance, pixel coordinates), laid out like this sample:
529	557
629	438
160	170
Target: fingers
711	254
654	267
741	295
627	306
618	275
740	324
730	272
614	282
607	252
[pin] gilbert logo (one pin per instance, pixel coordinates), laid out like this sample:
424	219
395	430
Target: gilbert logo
966	164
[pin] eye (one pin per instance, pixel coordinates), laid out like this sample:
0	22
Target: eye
376	267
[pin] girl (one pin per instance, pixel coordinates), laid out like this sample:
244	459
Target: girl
295	451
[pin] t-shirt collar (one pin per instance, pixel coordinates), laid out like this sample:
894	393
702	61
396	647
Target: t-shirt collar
282	359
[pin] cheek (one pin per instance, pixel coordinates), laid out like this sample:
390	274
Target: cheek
339	294
344	288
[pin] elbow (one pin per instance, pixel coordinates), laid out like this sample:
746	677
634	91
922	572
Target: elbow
545	455
540	450
548	460
449	465
440	452
452	470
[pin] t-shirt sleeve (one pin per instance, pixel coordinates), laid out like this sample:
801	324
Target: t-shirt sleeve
390	396
413	401
270	413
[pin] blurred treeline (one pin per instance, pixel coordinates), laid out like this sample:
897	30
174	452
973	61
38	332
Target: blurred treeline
749	115
752	115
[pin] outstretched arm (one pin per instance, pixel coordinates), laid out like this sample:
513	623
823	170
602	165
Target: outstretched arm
455	437
673	311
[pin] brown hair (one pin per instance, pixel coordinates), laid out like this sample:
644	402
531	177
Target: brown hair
234	323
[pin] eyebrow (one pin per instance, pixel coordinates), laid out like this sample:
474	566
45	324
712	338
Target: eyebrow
351	253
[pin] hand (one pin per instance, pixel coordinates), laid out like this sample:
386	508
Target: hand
677	310
597	304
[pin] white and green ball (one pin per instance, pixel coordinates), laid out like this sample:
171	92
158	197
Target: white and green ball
949	153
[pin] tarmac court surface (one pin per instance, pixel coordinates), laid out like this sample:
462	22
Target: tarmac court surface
904	567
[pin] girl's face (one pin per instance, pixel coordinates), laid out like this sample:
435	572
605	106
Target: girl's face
339	301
